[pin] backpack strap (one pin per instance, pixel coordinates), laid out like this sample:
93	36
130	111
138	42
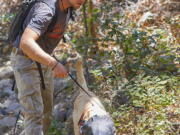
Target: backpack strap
72	14
14	83
53	4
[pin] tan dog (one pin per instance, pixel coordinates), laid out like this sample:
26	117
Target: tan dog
89	115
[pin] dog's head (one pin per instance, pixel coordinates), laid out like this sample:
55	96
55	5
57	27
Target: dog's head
98	125
68	57
74	60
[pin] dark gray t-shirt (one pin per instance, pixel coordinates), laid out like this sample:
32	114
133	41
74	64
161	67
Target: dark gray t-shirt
38	19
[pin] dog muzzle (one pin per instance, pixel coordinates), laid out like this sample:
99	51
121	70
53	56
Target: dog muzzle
97	125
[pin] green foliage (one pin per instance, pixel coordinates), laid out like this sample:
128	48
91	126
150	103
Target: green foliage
140	49
140	65
146	59
6	18
151	97
152	90
57	128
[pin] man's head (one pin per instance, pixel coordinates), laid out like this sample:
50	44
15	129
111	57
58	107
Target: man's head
98	125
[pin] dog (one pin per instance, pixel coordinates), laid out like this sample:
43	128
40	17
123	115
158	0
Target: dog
89	115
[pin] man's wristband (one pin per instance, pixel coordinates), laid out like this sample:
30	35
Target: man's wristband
54	66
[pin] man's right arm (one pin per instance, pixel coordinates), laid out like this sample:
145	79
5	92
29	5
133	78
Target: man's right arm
32	49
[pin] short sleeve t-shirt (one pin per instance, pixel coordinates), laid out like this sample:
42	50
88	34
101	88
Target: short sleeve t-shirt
38	19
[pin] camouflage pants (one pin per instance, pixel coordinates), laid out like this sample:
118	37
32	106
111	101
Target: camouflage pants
37	103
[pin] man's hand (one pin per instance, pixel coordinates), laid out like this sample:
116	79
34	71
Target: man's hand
60	71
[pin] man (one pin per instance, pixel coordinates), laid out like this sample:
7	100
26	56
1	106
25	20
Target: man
36	44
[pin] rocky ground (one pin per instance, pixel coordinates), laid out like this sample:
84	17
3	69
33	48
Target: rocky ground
10	107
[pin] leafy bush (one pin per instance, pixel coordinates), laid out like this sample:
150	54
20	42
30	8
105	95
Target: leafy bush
57	128
151	96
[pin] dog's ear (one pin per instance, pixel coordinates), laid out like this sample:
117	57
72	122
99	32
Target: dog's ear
75	58
79	59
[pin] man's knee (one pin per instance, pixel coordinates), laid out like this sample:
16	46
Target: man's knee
32	108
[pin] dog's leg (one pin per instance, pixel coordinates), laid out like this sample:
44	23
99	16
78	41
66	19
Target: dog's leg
75	123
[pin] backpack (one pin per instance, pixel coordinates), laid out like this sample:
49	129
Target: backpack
16	27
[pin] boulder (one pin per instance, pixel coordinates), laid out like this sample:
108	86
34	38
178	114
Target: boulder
6	72
6	86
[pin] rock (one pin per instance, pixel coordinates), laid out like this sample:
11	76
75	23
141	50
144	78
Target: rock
60	84
6	72
3	112
4	95
7	63
7	103
59	112
14	107
3	129
6	85
7	121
